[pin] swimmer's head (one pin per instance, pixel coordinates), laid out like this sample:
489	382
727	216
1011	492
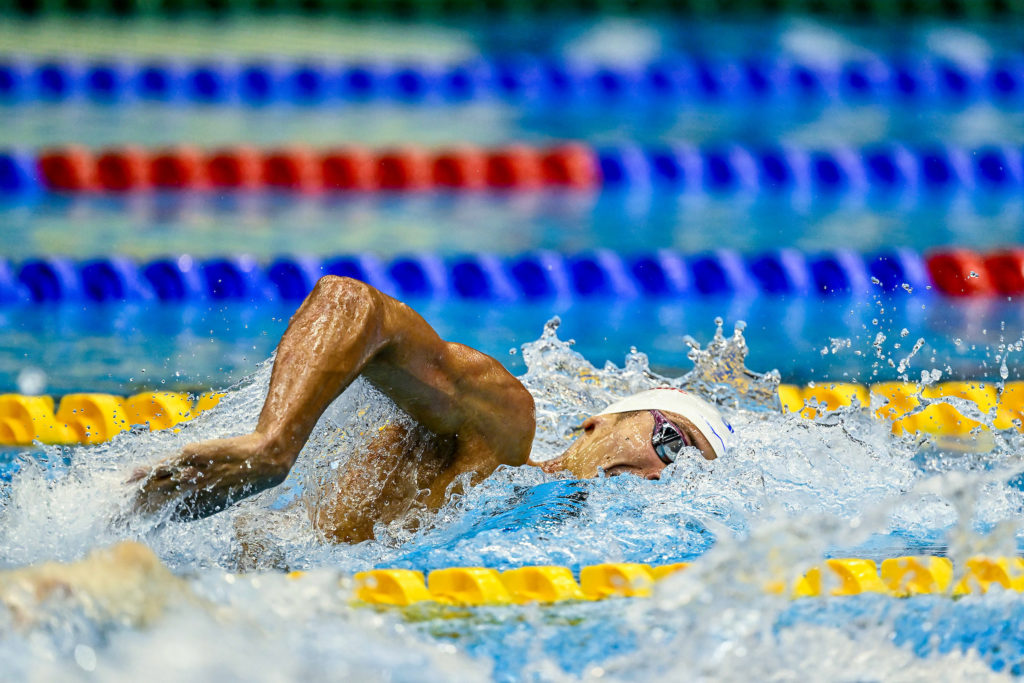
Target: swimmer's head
643	433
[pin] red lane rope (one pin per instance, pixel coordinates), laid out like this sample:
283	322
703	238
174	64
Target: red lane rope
301	169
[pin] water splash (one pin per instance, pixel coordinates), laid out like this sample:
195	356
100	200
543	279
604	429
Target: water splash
720	372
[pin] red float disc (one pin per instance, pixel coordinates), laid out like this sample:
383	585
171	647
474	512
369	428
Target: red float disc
960	272
68	169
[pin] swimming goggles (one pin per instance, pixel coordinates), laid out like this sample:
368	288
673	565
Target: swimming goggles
666	439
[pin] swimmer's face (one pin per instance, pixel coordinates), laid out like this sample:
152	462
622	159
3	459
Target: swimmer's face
621	444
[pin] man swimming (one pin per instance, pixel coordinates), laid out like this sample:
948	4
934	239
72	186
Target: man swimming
469	415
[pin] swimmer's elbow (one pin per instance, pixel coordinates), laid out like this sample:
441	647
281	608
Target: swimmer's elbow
338	286
358	299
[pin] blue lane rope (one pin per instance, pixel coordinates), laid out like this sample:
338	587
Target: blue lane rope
521	79
528	276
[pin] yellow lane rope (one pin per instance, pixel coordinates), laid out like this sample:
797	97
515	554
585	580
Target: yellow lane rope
478	586
92	418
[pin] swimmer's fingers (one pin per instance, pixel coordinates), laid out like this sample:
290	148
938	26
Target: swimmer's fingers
206	478
156	491
162	470
163	485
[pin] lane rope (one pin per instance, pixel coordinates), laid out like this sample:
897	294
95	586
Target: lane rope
530	276
477	586
918	79
90	418
725	169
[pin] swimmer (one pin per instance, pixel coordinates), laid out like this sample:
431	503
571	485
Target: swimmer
470	415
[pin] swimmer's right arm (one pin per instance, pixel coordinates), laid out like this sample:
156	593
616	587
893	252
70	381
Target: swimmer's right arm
344	329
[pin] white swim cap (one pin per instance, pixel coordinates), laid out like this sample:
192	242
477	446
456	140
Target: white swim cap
704	416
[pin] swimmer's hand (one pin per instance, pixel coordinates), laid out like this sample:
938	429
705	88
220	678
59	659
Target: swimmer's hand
207	477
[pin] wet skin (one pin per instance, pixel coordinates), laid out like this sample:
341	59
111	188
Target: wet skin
470	415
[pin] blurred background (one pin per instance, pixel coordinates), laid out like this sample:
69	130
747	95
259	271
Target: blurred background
844	176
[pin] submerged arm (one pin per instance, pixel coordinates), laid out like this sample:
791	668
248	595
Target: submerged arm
345	329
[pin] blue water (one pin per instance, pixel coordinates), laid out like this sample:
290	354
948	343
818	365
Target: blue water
582	636
202	225
800	122
124	349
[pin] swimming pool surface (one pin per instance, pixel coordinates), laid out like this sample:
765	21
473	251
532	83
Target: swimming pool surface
792	492
127	349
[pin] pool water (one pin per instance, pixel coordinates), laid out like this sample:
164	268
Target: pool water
791	492
637	219
125	349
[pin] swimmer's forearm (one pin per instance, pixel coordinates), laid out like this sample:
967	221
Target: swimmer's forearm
345	329
207	477
338	330
328	343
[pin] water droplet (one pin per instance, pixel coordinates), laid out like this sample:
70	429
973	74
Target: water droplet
85	657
